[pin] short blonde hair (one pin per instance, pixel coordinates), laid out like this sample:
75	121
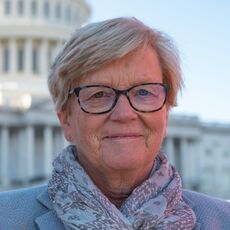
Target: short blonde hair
96	45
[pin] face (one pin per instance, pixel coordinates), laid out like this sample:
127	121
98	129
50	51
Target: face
122	139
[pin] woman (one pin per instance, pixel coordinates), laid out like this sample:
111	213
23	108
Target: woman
113	85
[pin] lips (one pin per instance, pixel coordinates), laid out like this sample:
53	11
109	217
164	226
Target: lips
123	136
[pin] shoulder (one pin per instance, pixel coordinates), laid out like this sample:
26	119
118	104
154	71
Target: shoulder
211	212
20	207
203	201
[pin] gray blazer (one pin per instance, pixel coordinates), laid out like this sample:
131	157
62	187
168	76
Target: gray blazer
31	208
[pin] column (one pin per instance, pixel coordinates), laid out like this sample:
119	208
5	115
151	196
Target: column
28	56
52	13
13	55
48	150
29	153
195	161
4	150
14	8
185	161
170	152
22	174
27	8
40	4
44	60
218	171
1	57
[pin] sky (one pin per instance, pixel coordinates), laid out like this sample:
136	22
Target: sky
201	31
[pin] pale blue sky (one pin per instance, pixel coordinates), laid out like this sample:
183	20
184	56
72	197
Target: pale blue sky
201	30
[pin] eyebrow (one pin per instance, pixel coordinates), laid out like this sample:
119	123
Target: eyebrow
105	83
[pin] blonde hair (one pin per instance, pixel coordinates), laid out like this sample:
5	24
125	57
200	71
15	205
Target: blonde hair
92	47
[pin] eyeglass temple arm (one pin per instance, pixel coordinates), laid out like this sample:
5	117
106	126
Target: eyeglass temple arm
75	90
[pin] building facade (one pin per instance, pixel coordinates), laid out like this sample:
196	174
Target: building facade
201	153
31	32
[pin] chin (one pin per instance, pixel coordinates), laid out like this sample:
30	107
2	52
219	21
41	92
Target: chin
125	161
126	156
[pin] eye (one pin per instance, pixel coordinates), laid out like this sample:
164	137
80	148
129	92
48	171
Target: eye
99	94
96	94
143	92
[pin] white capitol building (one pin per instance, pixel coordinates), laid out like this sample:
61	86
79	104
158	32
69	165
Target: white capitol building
31	32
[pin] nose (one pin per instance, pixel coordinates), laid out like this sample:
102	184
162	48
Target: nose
123	111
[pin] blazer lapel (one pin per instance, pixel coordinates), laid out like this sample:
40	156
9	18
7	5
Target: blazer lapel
48	220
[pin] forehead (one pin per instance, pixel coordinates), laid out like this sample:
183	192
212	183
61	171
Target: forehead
140	66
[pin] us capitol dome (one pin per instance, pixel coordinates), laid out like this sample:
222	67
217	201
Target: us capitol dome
31	33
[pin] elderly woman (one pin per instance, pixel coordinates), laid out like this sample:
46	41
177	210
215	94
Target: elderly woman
113	84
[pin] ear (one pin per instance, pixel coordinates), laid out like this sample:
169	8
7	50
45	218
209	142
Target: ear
64	120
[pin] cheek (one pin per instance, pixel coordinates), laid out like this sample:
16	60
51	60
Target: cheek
156	128
87	132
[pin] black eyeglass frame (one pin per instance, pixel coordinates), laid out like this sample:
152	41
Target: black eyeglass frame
118	93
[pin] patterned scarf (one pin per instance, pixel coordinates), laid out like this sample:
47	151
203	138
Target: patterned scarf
155	204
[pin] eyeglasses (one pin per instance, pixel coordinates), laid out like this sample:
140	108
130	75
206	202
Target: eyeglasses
99	99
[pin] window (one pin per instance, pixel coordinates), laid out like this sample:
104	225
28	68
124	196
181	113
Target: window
58	11
46	9
226	154
7	7
6	59
21	58
35	60
20	7
208	152
34	8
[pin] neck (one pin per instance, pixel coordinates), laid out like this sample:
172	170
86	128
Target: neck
117	201
115	187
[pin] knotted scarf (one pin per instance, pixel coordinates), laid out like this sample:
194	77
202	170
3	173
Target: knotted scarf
155	204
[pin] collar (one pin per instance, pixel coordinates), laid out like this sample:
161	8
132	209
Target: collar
47	220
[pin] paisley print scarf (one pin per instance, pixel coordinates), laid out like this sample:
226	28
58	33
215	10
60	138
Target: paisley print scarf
157	203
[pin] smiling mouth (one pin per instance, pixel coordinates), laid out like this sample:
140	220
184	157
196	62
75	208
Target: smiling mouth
123	136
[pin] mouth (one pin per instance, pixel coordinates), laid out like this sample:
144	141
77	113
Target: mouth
122	136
